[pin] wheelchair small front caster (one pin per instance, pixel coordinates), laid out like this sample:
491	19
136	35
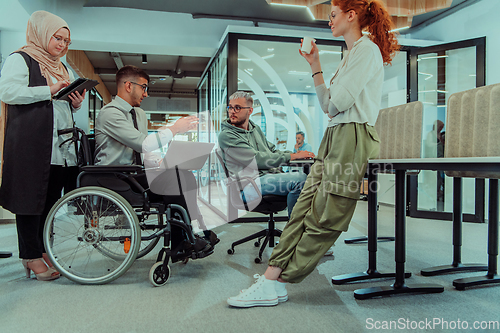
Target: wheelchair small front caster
230	251
256	244
157	276
258	260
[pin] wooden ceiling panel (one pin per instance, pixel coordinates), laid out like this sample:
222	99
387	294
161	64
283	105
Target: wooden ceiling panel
402	11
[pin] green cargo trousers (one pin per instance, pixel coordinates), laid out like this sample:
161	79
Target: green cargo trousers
327	201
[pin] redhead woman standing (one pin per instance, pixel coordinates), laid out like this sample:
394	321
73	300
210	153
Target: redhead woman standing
352	102
35	165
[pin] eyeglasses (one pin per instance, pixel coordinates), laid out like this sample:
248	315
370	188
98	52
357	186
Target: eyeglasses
237	108
143	86
331	17
60	40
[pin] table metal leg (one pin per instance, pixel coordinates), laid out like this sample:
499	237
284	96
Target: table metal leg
491	277
399	285
456	265
371	272
361	239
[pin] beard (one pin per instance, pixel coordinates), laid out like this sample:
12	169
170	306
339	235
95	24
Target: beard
236	122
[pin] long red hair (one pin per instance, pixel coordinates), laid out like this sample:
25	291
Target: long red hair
374	18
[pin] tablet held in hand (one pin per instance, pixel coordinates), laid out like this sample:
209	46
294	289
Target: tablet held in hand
79	85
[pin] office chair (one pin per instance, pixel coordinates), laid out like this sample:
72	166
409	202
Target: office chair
267	204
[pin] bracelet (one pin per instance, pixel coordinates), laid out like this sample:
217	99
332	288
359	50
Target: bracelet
320	72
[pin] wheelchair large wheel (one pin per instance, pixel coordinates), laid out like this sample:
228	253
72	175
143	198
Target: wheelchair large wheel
86	241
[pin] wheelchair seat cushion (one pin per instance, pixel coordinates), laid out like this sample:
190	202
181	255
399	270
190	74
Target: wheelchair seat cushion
114	184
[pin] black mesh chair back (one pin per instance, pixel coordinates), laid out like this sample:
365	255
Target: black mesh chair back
266	204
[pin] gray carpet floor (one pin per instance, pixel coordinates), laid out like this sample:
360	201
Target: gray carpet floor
194	299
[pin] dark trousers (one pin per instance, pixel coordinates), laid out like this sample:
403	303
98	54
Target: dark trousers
30	227
166	187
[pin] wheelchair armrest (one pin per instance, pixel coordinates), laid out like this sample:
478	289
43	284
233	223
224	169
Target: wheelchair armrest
111	168
133	182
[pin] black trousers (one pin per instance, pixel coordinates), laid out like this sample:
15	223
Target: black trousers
30	227
166	187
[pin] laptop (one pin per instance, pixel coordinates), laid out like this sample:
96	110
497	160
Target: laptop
187	155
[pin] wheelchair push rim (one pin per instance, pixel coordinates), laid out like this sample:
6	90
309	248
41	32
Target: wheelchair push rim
92	235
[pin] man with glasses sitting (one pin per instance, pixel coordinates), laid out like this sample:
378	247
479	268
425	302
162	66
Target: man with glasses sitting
241	140
121	134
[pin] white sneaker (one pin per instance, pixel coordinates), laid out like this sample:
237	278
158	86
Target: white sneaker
261	293
330	251
280	288
281	291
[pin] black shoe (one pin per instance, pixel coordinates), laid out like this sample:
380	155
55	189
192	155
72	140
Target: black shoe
201	245
211	237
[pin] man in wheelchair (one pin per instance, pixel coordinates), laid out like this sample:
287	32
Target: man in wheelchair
121	134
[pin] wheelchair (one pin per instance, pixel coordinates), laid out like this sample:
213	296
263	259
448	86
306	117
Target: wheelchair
94	233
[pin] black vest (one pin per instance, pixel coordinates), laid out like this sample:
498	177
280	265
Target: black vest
27	151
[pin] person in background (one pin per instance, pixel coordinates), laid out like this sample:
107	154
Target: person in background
300	145
352	101
36	167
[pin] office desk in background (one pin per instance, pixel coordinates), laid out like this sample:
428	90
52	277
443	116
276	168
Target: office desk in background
476	164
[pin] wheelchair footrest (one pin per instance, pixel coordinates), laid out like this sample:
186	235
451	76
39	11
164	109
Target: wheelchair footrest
201	254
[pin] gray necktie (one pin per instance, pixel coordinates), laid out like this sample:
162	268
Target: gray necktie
137	155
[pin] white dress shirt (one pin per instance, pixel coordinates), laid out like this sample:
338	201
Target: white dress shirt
117	138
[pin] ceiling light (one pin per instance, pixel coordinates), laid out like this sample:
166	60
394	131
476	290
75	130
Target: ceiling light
298	6
246	71
307	87
286	4
144	59
270	49
268	56
329	52
244	59
298	73
428	75
433	57
310	13
272	84
399	29
250	69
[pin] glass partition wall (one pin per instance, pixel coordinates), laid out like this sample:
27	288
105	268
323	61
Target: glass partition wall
212	95
279	79
441	71
271	69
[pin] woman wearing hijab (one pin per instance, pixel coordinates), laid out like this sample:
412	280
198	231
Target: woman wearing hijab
35	166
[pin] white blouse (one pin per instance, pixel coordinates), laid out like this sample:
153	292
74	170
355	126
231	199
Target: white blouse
14	90
355	94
